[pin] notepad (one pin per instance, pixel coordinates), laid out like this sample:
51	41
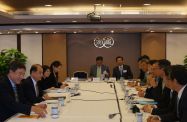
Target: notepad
30	117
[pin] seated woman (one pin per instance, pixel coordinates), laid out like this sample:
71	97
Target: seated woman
43	84
52	80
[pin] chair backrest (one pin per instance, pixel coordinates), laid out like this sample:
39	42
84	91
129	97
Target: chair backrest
80	74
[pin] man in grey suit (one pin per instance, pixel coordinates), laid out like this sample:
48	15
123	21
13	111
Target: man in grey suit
99	69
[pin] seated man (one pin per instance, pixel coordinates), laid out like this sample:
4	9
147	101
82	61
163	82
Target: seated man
32	92
122	70
159	92
176	77
144	68
12	100
99	69
171	106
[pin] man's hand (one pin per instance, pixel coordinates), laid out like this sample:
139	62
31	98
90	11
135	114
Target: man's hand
44	106
148	108
46	97
141	93
40	111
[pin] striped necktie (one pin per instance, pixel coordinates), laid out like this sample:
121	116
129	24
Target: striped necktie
16	93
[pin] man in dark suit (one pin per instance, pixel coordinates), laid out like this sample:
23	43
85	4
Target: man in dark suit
122	70
178	80
159	92
12	100
32	92
99	69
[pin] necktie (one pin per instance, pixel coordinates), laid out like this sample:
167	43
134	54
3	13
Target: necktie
98	71
121	70
16	93
178	107
171	94
36	90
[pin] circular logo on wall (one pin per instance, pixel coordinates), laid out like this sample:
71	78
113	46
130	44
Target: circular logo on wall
105	42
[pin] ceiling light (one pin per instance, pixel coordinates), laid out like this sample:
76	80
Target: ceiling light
170	31
103	5
1	33
97	4
74	32
112	31
19	31
152	31
47	21
74	21
152	20
36	32
54	32
146	4
48	5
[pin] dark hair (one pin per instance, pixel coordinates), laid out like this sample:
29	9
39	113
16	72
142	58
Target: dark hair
45	68
99	58
55	64
178	72
14	65
143	57
34	68
145	60
163	63
151	62
119	57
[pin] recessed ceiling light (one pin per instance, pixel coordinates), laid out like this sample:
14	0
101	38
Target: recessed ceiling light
48	5
74	21
112	31
146	4
125	20
47	21
8	32
152	31
75	32
36	32
1	33
97	4
170	31
54	32
152	20
19	31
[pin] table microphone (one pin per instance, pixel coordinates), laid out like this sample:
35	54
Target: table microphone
111	116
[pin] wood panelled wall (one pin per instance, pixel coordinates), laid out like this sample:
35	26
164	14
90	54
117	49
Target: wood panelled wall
54	48
154	45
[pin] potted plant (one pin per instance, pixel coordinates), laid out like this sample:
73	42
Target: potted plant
9	55
185	61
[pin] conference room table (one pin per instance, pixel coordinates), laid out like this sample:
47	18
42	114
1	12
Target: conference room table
97	100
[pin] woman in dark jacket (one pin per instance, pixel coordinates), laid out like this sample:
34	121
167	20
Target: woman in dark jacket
43	83
52	80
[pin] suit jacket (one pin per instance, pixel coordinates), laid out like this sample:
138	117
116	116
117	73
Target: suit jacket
172	116
127	74
8	104
93	70
159	94
42	84
29	91
183	106
167	109
52	81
